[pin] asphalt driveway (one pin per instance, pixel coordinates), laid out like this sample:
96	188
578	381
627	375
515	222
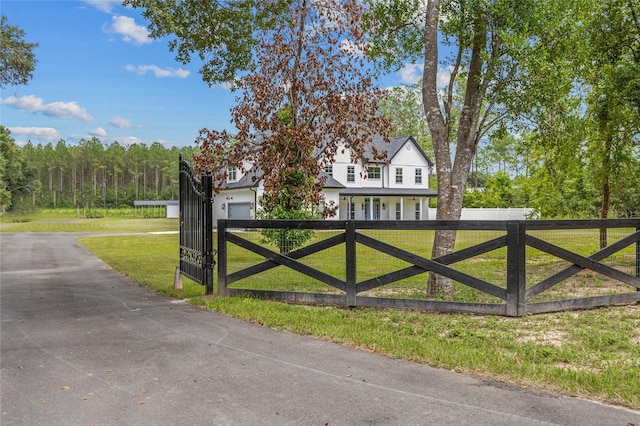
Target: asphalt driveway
82	345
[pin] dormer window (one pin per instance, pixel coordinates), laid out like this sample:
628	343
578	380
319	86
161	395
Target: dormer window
232	174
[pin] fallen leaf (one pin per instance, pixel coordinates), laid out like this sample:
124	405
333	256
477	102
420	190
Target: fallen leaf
65	388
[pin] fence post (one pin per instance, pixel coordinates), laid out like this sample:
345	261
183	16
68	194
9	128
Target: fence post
638	258
222	257
207	211
516	261
350	243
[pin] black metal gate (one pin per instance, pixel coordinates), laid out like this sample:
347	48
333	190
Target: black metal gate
196	226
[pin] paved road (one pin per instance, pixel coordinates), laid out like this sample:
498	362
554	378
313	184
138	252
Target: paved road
83	345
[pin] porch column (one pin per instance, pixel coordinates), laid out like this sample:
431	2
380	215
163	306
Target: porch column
401	208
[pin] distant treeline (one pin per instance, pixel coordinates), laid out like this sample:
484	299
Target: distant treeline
92	174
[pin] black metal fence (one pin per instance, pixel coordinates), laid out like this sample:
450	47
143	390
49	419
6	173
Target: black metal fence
196	226
516	242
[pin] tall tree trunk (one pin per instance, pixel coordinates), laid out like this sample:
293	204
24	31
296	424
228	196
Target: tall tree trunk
452	178
74	180
115	186
136	178
104	187
157	181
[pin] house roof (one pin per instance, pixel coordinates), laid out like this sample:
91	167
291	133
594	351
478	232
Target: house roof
393	146
254	175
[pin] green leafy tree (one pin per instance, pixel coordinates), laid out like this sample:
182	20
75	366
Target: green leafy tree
404	107
222	34
34	158
115	157
17	60
596	117
494	46
137	163
16	177
612	71
498	192
156	154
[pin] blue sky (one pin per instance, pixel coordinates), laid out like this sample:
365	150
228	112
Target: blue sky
99	74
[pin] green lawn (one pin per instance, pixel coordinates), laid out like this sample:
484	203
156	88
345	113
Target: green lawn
69	223
593	353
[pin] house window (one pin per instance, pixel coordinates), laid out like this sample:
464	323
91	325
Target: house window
232	174
419	176
329	169
399	175
373	172
352	210
418	211
351	173
398	212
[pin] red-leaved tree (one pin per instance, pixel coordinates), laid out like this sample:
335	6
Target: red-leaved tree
309	95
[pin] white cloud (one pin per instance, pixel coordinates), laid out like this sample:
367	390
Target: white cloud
98	132
157	71
122	123
443	77
48	134
230	85
130	140
31	104
129	30
103	5
411	74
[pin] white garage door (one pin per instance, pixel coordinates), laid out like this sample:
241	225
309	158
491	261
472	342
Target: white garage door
239	210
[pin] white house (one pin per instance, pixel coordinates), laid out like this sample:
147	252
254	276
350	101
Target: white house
395	189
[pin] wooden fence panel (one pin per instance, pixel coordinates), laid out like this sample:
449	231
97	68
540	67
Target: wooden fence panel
515	295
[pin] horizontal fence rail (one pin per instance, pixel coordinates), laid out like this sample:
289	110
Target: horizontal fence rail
532	261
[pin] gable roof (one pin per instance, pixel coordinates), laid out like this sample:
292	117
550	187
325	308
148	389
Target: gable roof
394	145
253	176
390	149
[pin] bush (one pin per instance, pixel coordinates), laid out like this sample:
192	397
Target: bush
287	239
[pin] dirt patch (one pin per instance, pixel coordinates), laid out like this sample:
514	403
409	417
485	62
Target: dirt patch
548	337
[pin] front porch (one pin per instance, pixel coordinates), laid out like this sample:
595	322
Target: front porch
384	204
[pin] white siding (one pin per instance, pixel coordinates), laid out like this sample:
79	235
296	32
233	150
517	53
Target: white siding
409	160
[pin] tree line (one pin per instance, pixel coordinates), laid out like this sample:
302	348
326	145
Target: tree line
89	174
92	174
559	174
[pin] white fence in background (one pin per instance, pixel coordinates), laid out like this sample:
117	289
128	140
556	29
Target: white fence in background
492	214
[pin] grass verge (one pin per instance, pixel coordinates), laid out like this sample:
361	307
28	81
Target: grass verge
593	354
68	223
